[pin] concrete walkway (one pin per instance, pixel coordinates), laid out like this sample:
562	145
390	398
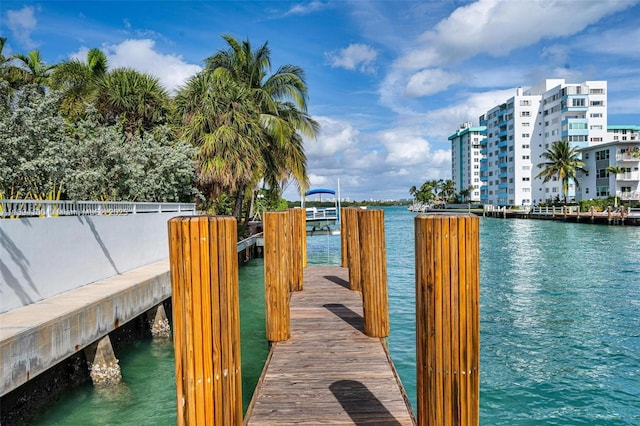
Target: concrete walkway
38	336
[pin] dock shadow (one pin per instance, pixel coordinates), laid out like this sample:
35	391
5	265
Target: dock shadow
362	406
337	280
347	315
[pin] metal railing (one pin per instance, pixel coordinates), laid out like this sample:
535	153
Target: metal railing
328	213
47	208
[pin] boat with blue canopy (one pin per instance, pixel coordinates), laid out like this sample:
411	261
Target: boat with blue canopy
323	220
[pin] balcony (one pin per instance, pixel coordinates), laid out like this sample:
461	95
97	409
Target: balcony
632	156
503	144
504	185
484	178
503	165
628	176
629	196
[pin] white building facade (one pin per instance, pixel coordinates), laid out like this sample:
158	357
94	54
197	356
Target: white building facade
519	130
619	153
465	159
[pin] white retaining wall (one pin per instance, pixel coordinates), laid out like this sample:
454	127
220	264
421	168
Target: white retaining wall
43	257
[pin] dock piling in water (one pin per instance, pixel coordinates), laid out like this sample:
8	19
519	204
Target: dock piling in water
277	259
373	257
447	319
206	323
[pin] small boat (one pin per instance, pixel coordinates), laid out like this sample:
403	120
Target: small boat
323	220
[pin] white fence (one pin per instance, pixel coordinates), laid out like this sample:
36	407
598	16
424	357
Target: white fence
46	208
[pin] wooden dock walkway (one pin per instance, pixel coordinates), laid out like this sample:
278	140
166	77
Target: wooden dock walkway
329	371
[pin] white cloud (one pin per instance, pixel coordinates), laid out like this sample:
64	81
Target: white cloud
306	8
615	41
497	27
430	81
355	56
171	70
443	122
335	137
21	23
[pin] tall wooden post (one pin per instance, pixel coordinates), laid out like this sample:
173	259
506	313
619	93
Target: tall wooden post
344	212
447	319
276	275
206	321
298	234
373	255
353	250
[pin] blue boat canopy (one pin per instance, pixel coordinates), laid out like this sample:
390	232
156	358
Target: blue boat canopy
320	191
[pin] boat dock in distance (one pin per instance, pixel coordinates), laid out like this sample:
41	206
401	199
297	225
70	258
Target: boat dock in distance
329	371
619	216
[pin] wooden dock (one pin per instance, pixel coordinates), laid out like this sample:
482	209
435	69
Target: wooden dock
329	371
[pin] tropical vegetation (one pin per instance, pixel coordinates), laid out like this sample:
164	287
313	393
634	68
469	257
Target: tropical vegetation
563	163
438	192
80	129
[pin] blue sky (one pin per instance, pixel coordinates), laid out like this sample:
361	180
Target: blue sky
388	81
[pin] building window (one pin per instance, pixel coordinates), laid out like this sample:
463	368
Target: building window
602	155
601	173
525	135
526	189
596	103
525	157
602	191
586	190
525	114
596	91
596	139
578	102
596	115
525	102
526	179
525	124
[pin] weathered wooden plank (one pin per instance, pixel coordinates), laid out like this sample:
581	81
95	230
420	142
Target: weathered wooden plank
329	371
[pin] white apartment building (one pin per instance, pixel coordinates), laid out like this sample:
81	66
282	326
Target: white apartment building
622	153
519	130
465	154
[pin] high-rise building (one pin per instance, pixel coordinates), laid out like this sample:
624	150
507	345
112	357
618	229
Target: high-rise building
519	131
465	169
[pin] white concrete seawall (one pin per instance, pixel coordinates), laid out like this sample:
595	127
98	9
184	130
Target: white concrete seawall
35	337
43	257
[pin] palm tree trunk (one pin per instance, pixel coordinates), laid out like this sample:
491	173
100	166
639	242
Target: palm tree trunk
237	208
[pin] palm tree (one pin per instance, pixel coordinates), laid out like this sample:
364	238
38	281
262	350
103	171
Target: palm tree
447	190
616	170
562	162
218	117
79	81
134	98
280	100
31	69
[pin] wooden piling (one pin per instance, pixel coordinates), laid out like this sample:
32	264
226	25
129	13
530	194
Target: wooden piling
206	322
276	275
373	256
353	249
297	221
343	237
447	319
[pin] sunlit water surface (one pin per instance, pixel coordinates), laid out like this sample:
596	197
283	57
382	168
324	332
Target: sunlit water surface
560	329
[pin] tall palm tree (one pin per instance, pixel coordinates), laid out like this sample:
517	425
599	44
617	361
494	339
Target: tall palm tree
616	170
562	162
135	98
79	81
280	99
31	69
218	117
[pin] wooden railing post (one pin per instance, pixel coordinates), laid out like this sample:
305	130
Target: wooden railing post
373	255
447	319
276	275
298	235
353	250
206	322
344	212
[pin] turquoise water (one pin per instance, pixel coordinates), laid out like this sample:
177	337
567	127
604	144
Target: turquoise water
560	329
